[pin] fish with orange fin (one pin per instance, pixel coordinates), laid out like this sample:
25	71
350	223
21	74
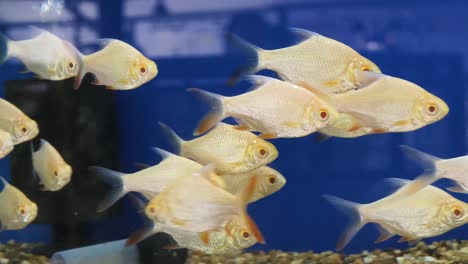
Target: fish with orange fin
198	204
319	61
118	66
427	213
275	108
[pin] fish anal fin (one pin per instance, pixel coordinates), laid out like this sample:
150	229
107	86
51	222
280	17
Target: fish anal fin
457	189
268	136
384	235
140	235
204	237
406	239
378	131
242	127
355	127
321	137
141	165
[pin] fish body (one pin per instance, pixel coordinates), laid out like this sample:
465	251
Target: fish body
390	104
455	169
17	211
230	150
196	204
275	108
6	143
118	66
46	55
427	213
54	173
14	121
346	126
321	62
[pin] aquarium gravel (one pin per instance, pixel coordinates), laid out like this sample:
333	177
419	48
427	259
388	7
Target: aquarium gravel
21	253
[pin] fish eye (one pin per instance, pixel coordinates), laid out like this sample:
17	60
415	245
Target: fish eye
22	210
55	173
432	109
24	130
143	70
272	179
323	115
457	212
245	234
71	65
365	68
262	152
152	210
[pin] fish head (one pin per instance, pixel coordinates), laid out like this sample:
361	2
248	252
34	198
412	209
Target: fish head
62	175
270	181
363	64
6	143
428	109
24	129
240	235
455	213
321	114
142	70
70	63
26	212
260	152
151	210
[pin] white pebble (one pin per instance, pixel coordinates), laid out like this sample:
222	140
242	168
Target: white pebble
429	259
400	260
4	260
369	259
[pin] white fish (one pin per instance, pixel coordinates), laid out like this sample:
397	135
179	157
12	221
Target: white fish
321	62
229	149
455	169
14	121
6	143
17	211
427	213
53	172
46	55
274	108
117	65
196	204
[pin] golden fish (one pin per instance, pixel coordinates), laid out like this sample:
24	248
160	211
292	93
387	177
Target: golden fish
229	149
53	172
217	242
15	122
46	55
6	143
321	62
149	181
17	210
455	169
197	204
275	108
118	66
390	104
427	213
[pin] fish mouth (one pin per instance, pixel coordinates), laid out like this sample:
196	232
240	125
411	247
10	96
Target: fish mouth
153	69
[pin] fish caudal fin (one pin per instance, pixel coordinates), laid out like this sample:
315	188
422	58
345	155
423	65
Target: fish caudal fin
173	138
215	115
244	198
252	52
3	48
428	163
114	179
357	221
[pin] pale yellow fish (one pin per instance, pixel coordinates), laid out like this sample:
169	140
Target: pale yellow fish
149	181
53	172
6	143
14	121
346	126
197	204
390	104
324	63
274	108
269	181
455	169
229	149
118	66
427	213
217	242
17	211
46	55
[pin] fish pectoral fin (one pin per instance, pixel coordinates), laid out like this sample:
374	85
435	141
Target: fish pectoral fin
321	137
401	123
332	83
268	136
407	239
384	235
457	189
204	237
141	165
242	127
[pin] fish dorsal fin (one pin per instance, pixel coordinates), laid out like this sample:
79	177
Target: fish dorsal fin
303	34
163	153
104	42
324	96
366	78
4	183
208	173
258	81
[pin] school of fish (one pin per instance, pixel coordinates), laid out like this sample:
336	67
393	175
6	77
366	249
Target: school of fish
199	193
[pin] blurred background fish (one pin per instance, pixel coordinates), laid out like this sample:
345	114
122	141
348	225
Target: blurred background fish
14	121
17	211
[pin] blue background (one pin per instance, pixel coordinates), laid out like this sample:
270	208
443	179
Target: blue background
422	41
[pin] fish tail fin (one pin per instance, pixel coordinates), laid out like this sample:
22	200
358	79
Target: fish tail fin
427	162
173	138
244	198
357	220
254	58
4	50
216	114
114	179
